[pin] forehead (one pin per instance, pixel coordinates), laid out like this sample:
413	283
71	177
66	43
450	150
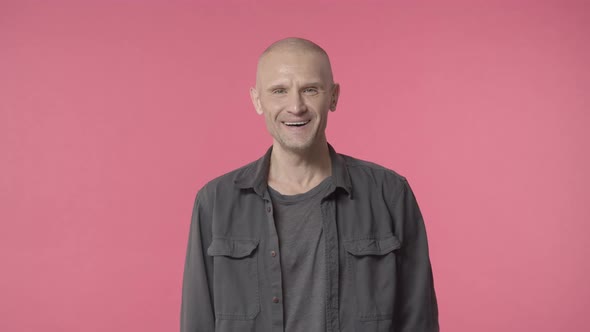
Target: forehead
290	64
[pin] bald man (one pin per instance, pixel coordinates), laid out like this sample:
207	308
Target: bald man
304	238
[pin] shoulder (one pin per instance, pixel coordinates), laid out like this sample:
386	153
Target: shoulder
363	171
226	182
356	165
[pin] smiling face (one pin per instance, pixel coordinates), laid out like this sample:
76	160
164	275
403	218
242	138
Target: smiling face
295	91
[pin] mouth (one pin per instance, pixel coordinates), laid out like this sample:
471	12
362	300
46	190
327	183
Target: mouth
296	123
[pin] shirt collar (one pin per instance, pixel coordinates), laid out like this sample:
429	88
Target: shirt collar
255	175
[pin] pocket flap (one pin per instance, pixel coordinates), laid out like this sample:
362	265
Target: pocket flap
374	246
236	248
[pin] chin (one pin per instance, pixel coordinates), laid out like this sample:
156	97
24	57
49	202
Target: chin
297	146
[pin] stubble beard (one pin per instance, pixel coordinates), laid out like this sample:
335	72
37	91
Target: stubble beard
298	146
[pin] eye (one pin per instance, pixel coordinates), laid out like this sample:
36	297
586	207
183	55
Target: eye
279	91
310	91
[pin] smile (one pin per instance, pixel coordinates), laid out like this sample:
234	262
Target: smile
296	124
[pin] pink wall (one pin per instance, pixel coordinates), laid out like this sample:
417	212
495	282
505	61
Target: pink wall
114	113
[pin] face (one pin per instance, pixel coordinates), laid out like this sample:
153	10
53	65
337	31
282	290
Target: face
294	91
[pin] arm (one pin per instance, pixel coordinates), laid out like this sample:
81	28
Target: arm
416	305
196	313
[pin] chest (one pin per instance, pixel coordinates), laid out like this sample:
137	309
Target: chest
253	217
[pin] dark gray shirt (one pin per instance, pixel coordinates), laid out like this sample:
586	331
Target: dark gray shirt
298	220
378	270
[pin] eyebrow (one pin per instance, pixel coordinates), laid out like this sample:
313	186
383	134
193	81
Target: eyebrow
276	86
315	83
282	85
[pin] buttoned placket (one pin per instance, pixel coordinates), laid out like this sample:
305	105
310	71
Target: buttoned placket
328	209
328	212
276	283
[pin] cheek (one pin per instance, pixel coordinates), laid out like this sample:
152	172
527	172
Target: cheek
271	102
271	116
271	109
269	119
319	104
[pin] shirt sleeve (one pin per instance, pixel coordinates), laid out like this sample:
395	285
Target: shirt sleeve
416	304
196	313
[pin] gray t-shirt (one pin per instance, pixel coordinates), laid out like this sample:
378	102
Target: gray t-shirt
298	221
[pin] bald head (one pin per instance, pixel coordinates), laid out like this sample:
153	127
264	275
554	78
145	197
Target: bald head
295	45
289	47
295	92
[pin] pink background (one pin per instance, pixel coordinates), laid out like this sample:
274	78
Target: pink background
114	113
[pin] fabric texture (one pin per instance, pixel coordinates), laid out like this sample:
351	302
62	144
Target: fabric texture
377	268
298	220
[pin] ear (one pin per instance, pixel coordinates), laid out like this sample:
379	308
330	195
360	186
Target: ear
255	100
335	94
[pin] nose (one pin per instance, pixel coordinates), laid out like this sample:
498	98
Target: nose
296	104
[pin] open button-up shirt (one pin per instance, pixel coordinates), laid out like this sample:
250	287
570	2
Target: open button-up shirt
378	272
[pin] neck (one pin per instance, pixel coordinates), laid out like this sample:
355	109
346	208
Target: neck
295	172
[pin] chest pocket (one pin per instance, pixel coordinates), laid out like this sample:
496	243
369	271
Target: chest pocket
371	263
235	278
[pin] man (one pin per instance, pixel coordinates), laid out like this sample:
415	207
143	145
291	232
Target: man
306	239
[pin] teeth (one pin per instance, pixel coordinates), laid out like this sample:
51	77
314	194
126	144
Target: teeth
296	123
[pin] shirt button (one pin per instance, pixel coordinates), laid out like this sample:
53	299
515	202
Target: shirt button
275	299
273	253
268	209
